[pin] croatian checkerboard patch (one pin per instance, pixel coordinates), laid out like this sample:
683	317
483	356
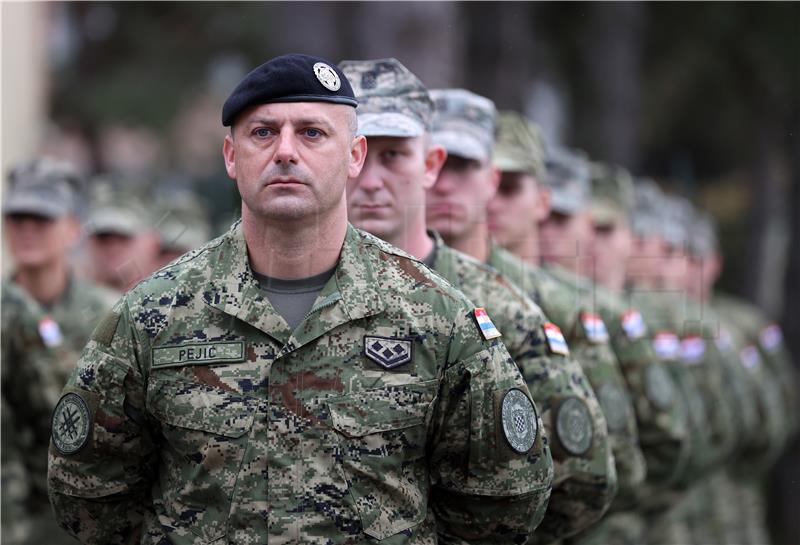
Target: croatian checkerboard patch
574	426
633	324
666	345
487	327
594	327
519	420
555	340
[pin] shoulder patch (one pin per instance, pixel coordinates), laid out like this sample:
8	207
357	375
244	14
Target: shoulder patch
105	330
50	332
724	341
72	423
693	348
750	358
666	345
594	327
574	426
633	324
658	386
555	339
518	416
771	337
485	324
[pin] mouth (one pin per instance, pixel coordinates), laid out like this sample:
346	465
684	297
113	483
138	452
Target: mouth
284	182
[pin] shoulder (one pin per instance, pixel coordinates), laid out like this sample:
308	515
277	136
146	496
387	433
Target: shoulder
87	292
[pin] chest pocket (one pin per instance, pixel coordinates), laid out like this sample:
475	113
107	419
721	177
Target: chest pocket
382	435
205	431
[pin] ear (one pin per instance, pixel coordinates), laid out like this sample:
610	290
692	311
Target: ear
229	153
543	199
435	158
358	154
72	232
494	181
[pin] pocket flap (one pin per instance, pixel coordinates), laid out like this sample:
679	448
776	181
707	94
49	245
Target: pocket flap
382	409
201	407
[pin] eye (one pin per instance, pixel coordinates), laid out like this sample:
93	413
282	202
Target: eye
261	132
313	133
390	154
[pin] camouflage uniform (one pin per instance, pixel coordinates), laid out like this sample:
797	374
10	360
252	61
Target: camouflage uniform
384	414
585	476
41	343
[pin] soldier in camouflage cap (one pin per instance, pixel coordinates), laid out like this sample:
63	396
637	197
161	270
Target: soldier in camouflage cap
295	380
388	199
48	315
183	225
122	245
611	202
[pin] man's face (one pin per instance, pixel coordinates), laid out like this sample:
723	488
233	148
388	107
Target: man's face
457	201
37	241
121	260
611	248
565	238
291	160
657	264
390	190
516	209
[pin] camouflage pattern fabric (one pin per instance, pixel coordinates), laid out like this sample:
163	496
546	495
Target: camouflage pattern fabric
584	484
40	347
464	123
383	415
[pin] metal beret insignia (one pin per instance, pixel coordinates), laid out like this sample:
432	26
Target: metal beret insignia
574	426
519	420
327	76
72	423
387	352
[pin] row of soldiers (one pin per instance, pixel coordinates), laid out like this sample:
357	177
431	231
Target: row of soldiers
664	404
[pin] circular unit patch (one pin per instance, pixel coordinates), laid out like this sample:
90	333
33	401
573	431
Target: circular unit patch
72	422
327	76
574	426
615	405
658	386
520	424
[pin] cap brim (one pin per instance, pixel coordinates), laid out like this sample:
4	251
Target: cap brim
604	214
389	124
119	222
510	163
462	145
564	204
35	205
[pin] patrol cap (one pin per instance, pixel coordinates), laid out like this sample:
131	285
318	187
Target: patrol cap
463	123
612	194
675	217
703	242
44	187
289	78
568	179
518	145
647	198
392	101
114	209
184	223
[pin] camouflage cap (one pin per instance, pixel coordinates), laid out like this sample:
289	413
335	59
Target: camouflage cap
568	179
44	187
184	223
463	123
703	241
392	101
676	215
114	209
518	145
612	194
647	198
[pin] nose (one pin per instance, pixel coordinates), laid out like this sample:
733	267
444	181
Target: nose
286	152
444	183
370	179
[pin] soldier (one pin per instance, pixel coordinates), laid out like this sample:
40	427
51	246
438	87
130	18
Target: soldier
183	225
123	245
457	204
48	313
295	380
388	199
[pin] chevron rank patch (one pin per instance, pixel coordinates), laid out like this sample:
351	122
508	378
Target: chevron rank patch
594	327
633	324
388	352
50	332
487	327
724	341
771	337
750	358
555	340
666	345
693	348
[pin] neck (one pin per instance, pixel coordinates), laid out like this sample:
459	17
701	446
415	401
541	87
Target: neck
292	250
527	249
45	284
474	243
414	240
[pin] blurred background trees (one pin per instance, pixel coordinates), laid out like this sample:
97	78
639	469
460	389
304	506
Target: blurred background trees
704	97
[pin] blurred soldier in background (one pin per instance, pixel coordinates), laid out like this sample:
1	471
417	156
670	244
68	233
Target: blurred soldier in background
457	207
123	244
48	315
183	225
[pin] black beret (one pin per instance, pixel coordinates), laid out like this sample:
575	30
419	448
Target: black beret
289	78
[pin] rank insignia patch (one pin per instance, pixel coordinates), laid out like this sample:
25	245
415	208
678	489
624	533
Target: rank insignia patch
72	423
666	345
487	327
633	325
519	419
50	332
555	340
693	348
387	352
594	327
771	337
